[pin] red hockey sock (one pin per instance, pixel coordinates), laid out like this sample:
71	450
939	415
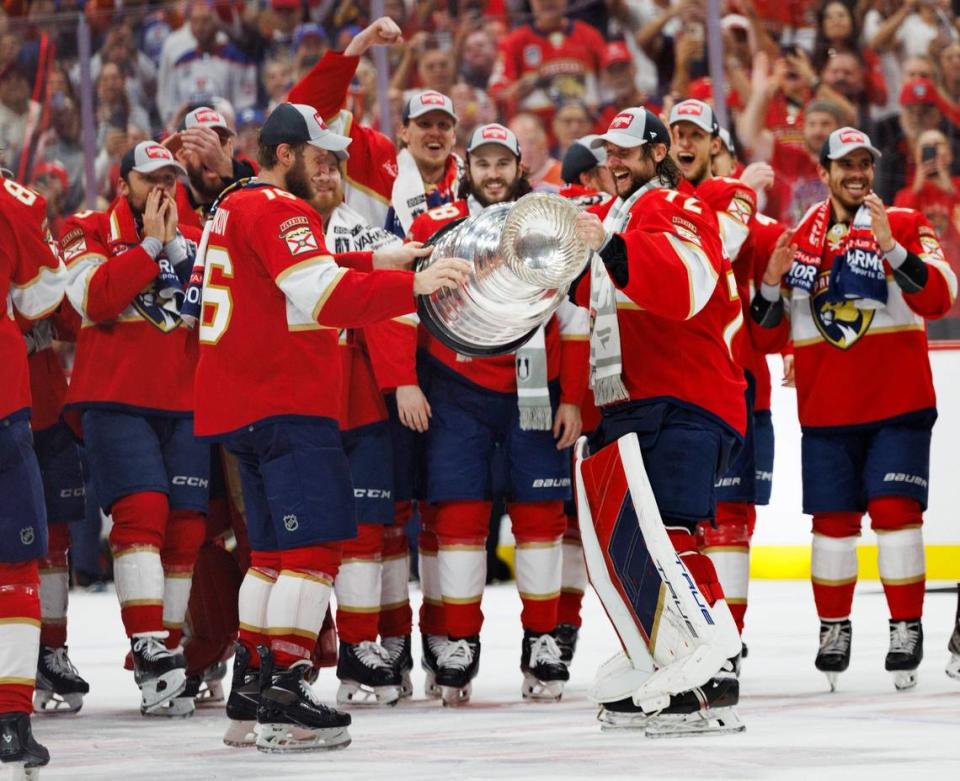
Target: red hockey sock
462	529
728	546
538	528
139	521
19	635
396	617
573	578
54	587
833	563
698	564
897	521
185	533
358	585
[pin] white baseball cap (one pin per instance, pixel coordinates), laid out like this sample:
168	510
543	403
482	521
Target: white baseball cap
634	127
842	142
147	157
494	134
697	112
424	102
727	140
297	123
204	116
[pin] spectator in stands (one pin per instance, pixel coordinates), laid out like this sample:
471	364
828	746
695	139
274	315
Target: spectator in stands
949	60
52	182
838	33
249	122
435	69
478	52
572	121
114	108
138	71
277	79
543	170
474	108
17	111
546	61
209	68
61	144
845	74
619	82
913	26
285	17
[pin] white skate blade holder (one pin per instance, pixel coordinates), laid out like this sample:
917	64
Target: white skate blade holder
535	690
353	693
904	679
710	721
454	696
953	666
691	642
283	738
160	696
241	734
430	688
49	702
16	771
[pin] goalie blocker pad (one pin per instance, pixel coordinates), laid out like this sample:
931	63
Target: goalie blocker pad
659	614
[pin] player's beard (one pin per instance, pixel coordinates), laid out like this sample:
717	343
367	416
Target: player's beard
511	193
326	200
298	180
208	191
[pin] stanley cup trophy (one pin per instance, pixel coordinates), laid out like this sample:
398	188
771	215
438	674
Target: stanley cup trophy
524	255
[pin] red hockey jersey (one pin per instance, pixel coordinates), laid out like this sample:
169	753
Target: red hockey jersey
679	312
125	358
858	366
48	382
32	281
273	297
566	335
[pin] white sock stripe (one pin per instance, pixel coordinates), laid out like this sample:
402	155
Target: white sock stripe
254	595
138	576
358	584
394	581
573	572
298	603
54	594
463	573
733	572
176	596
833	558
538	569
901	555
19	647
430	576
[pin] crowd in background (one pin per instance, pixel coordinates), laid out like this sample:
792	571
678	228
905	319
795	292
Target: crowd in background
794	70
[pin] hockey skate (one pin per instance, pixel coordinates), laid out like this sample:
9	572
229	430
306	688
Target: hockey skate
544	672
60	688
457	666
704	710
366	675
398	648
432	648
242	703
833	657
290	717
161	675
566	636
953	663
906	652
21	755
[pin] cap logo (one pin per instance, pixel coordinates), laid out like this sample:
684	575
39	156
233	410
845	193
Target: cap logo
432	99
621	121
316	116
690	108
207	116
158	152
494	132
852	137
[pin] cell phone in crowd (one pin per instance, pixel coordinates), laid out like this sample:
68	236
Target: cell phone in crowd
928	152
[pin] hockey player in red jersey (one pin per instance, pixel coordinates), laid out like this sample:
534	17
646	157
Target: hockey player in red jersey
860	279
748	239
60	689
387	187
269	386
32	279
476	404
666	313
131	397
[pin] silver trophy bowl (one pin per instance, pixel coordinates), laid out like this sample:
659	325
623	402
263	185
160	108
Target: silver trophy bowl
524	255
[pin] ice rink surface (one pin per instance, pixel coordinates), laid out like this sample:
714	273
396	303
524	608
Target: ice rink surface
795	727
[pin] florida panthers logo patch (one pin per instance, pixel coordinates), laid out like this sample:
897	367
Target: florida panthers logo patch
840	323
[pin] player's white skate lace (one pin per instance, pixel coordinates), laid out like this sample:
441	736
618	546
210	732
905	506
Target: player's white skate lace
362	692
394	646
544	650
457	654
373	654
902	640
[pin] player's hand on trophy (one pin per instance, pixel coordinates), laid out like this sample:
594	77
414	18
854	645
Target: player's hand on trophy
446	272
413	408
383	32
567	425
400	256
780	259
590	230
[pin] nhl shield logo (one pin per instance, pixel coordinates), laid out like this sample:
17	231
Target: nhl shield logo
290	522
840	323
27	535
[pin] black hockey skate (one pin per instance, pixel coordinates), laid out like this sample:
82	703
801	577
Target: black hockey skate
432	647
366	675
60	688
21	755
704	710
833	657
207	688
544	672
906	652
161	675
457	666
289	715
242	703
398	649
566	636
953	663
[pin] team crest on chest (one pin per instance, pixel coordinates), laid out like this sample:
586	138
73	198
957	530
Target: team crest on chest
841	324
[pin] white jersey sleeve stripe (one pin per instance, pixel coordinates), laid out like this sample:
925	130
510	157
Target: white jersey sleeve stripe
700	272
42	294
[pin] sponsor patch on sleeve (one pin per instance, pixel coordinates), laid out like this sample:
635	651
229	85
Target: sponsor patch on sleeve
300	240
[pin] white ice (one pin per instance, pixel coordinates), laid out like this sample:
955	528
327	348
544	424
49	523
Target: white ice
795	727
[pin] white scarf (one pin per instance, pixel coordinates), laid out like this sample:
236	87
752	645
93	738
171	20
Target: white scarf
606	356
345	230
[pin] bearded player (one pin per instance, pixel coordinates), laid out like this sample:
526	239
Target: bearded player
665	313
852	289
